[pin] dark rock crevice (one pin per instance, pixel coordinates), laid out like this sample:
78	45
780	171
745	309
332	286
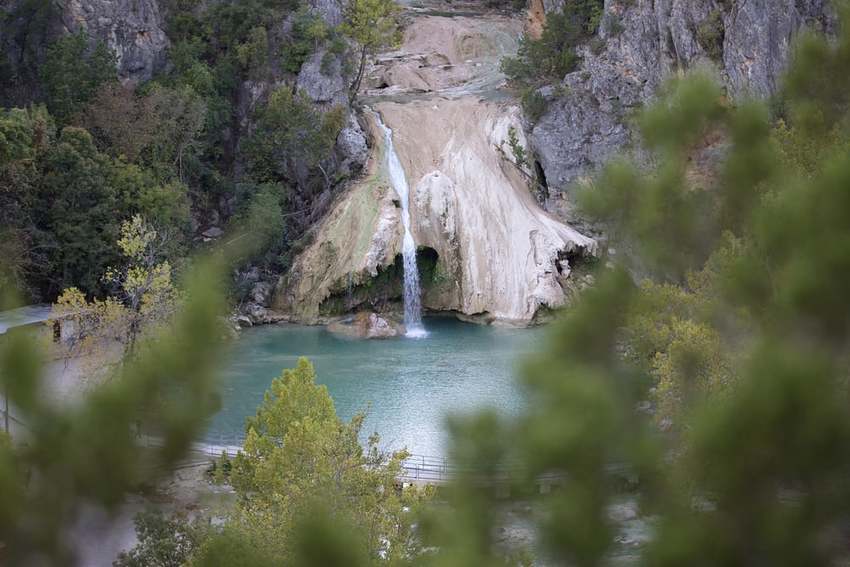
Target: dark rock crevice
382	293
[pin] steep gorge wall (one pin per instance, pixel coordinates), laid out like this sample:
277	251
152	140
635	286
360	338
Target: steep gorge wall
640	44
133	29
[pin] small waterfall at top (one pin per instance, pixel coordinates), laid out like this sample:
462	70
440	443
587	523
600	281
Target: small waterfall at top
412	300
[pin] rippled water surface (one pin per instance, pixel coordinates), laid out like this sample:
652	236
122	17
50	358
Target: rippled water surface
407	385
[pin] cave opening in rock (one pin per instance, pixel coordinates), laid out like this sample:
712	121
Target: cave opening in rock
384	291
426	260
575	261
542	183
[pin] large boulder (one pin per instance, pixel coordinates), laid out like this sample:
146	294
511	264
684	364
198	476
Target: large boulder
366	325
321	78
352	147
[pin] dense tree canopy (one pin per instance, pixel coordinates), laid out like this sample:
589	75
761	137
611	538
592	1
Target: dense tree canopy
66	201
211	131
72	73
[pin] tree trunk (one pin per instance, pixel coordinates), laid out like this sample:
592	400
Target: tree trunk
355	88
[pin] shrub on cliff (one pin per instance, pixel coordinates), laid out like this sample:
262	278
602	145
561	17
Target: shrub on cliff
291	134
551	56
72	72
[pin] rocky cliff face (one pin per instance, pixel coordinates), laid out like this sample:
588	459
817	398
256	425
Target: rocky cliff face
642	42
133	29
487	251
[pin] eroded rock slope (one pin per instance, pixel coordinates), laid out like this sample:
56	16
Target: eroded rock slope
487	250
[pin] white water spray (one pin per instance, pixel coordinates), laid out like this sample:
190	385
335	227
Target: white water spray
412	300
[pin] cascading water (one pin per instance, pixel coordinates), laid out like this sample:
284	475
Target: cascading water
412	300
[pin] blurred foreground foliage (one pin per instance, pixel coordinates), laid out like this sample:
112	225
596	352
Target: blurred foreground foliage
719	387
71	459
79	456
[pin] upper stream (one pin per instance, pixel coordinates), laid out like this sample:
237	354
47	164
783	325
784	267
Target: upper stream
408	387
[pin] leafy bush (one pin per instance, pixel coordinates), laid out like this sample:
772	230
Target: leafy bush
163	541
518	151
309	31
533	104
291	133
710	35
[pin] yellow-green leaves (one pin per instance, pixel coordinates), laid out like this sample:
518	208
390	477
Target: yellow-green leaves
85	454
373	23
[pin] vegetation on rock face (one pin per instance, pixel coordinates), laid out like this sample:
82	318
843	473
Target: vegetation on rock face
710	34
209	134
517	149
551	56
291	133
64	201
372	24
72	73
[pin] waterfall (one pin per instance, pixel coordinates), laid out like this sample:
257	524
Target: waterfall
412	300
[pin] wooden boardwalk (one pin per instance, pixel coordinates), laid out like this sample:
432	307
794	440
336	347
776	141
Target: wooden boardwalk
415	469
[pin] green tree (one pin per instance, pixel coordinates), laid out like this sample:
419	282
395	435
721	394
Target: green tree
292	134
553	55
79	197
72	72
143	298
163	542
24	136
79	209
159	128
373	25
309	31
303	466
